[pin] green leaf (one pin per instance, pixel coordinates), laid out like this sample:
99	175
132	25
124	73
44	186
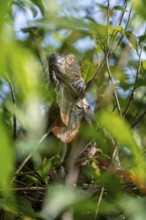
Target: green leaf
144	64
119	129
40	5
4	9
6	158
25	207
135	207
119	7
139	6
58	199
132	39
89	69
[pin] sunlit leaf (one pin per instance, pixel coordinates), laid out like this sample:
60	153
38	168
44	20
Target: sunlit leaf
95	167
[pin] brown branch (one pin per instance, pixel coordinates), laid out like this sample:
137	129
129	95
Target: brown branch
23	164
32	188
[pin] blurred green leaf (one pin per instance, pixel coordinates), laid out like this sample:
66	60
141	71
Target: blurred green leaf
4	9
25	208
134	209
58	199
119	129
7	161
144	64
70	23
139	6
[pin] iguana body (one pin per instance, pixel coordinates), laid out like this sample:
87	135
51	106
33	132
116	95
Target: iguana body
69	86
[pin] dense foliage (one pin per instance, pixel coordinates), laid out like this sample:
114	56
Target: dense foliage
108	40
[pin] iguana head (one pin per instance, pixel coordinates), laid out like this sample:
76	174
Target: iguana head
65	70
66	67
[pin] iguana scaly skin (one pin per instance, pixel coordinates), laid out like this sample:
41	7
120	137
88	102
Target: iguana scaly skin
69	86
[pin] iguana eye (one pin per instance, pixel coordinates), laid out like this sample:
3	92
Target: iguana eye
70	59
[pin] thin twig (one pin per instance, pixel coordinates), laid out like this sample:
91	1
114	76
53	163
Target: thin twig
121	19
14	102
99	201
108	22
134	87
129	16
122	15
30	155
23	164
32	188
139	119
115	94
100	45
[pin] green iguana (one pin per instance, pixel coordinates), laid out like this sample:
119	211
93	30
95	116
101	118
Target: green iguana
69	86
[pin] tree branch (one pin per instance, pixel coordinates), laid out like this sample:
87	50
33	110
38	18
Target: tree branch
139	119
115	94
134	87
31	188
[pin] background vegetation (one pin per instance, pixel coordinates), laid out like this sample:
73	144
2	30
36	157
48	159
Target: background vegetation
108	39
